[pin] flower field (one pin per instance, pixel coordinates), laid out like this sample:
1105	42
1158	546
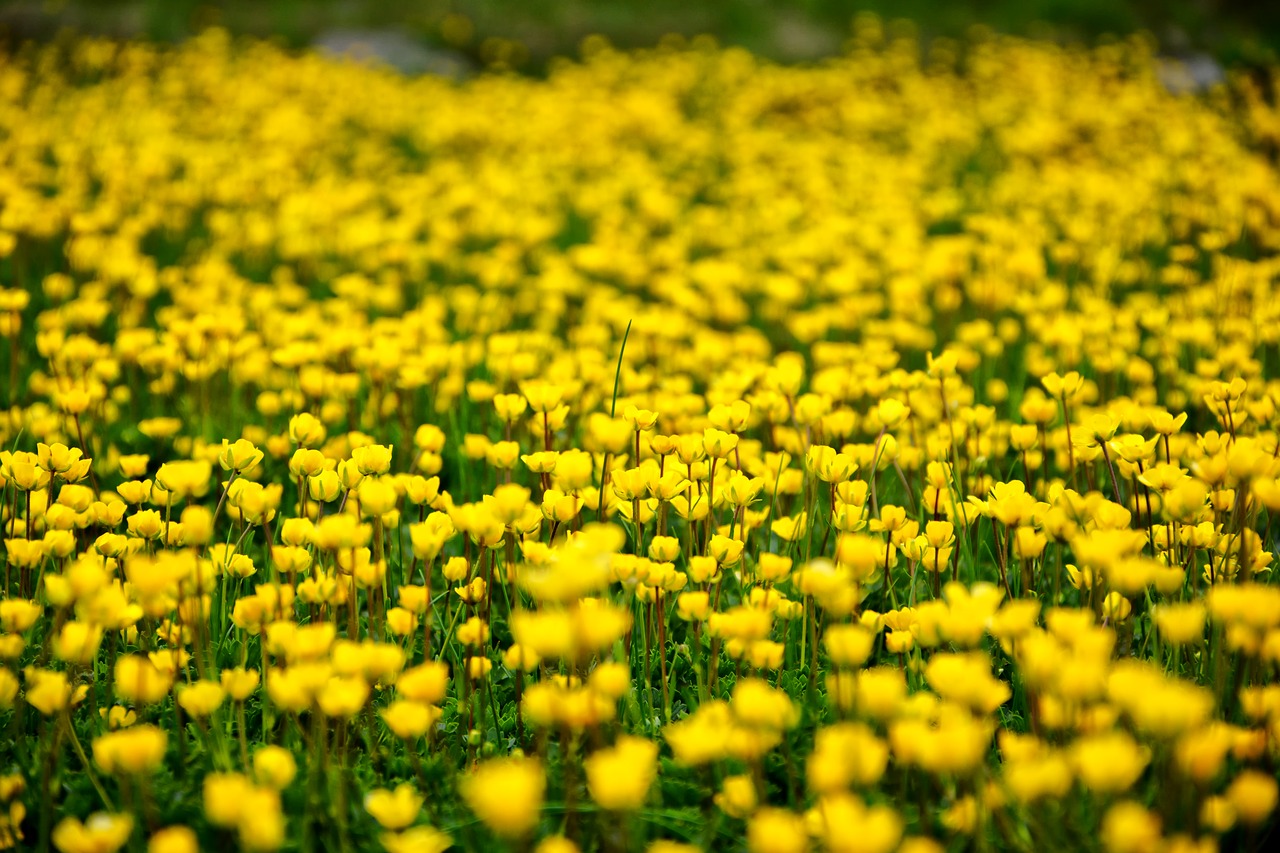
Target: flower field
677	451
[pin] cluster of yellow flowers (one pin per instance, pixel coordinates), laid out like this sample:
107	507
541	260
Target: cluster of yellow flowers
861	456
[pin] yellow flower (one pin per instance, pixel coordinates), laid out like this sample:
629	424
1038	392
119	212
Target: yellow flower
1200	754
419	839
241	456
343	697
1180	624
478	668
239	682
619	777
955	745
101	833
846	754
755	703
401	621
78	642
848	645
1165	423
1115	607
394	809
665	846
118	717
862	553
408	719
12	785
49	692
261	826
640	419
132	751
473	632
1253	794
146	524
1108	763
693	606
138	680
174	839
611	679
892	413
737	796
427	683
324	486
306	430
10	647
11	824
773	830
57	458
506	794
201	698
703	569
725	550
372	459
1128	827
186	479
518	658
18	615
1217	814
829	465
745	623
274	767
1032	780
773	567
556	844
25	472
789	528
848	826
224	798
1066	387
967	679
877	692
377	496
717	443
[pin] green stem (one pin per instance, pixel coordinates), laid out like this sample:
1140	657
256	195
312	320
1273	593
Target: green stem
84	761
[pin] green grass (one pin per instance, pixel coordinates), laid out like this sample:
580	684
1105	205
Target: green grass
1233	30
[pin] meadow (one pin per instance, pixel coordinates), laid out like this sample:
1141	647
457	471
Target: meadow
677	451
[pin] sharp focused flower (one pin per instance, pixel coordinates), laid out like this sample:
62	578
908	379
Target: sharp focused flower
239	456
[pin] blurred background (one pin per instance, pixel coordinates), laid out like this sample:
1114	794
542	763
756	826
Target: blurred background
452	35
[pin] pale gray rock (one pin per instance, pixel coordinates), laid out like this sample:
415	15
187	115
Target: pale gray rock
1190	73
395	49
